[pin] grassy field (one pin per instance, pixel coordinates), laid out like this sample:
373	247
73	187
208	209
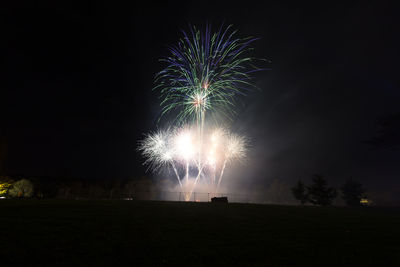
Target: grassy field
134	233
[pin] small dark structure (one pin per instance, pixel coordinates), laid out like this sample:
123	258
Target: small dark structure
219	199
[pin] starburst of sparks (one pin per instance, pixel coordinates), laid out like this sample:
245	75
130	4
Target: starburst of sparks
157	149
206	71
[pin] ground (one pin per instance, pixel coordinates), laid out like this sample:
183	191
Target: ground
136	233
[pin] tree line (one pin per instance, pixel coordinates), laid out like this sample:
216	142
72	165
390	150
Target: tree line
319	193
51	187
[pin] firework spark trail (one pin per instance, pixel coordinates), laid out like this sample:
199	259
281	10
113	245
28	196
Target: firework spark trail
177	175
187	171
195	183
220	176
214	167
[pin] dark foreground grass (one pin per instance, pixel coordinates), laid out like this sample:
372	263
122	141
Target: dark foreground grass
131	233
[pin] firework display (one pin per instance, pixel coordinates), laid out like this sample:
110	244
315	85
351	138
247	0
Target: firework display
181	150
205	74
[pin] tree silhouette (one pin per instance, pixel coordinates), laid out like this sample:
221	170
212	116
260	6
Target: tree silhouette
319	192
300	192
21	188
352	192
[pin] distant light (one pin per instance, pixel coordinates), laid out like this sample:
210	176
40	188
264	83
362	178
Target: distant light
365	201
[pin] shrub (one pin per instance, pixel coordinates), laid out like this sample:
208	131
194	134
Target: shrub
21	189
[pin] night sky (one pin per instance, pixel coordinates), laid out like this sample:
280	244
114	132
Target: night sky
76	88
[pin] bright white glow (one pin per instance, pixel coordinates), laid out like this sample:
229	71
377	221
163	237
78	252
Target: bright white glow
211	158
184	145
199	99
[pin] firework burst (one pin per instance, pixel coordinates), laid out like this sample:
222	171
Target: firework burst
205	72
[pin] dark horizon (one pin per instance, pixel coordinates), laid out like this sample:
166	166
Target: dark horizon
77	89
